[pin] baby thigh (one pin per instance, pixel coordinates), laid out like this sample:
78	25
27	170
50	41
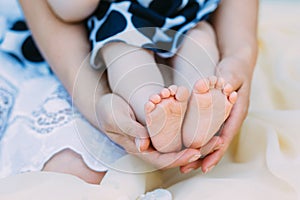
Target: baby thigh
69	162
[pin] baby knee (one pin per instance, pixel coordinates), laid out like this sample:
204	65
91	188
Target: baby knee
72	11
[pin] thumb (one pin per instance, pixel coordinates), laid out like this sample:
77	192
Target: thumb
125	121
138	132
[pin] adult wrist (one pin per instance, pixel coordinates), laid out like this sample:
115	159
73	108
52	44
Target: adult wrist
246	54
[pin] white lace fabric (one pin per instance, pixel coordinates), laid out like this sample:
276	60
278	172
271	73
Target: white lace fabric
37	119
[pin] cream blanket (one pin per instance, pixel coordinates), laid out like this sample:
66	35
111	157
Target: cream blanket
263	161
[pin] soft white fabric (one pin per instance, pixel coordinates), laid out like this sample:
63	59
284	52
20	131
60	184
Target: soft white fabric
37	119
263	161
36	123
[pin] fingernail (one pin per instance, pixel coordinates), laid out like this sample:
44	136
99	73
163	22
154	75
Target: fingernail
209	169
188	170
195	157
138	144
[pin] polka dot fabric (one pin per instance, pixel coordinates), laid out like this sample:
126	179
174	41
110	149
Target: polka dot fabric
158	25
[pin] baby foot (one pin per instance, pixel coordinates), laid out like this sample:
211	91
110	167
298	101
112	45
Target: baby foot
209	106
164	117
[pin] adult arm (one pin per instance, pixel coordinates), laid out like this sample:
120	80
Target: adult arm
65	47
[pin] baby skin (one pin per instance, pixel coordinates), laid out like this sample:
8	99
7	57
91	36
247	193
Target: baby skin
164	117
134	75
209	106
172	116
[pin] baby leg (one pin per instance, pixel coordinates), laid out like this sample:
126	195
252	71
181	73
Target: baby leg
209	106
134	75
165	114
210	103
69	162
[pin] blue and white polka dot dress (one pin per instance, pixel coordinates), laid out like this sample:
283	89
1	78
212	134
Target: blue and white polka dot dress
158	25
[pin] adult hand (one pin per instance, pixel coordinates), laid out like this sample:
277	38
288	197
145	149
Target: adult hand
239	74
117	120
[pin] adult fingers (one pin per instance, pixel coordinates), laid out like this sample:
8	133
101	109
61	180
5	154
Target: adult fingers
213	145
118	121
170	160
207	163
191	166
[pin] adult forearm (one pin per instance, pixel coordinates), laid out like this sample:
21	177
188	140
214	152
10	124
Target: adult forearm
65	47
235	23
